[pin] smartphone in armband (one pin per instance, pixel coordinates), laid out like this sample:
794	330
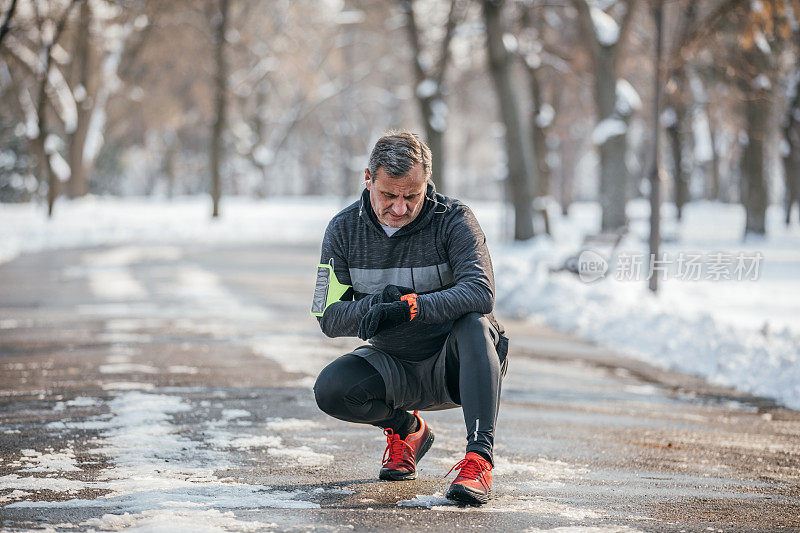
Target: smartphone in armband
327	290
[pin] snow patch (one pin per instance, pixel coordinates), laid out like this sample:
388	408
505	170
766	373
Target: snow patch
14	495
127	368
291	424
539	506
177	519
49	461
607	129
427	88
628	100
80	401
159	473
296	353
180	369
302	455
605	27
127	385
545	116
586	529
32	484
231	414
741	334
542	469
426	500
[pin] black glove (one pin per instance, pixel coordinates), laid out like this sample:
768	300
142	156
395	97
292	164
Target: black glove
383	316
392	293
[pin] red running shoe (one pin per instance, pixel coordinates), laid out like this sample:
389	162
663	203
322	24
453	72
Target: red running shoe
404	454
474	483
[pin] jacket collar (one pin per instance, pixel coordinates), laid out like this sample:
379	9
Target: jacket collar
424	217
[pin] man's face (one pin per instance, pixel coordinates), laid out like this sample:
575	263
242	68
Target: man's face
397	201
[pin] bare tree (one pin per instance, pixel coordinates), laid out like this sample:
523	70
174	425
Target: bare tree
81	72
521	178
766	31
606	39
542	113
429	80
790	125
654	240
40	142
790	128
6	24
679	100
220	21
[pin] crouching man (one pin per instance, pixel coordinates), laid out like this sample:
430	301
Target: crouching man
407	269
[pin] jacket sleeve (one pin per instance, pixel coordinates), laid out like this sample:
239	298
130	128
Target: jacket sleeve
469	259
341	319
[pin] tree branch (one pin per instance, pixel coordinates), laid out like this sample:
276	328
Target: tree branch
624	29
585	18
444	56
7	20
703	29
413	33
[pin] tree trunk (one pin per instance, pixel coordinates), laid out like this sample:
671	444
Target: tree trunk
168	163
436	144
220	87
654	240
567	188
539	133
78	179
676	152
613	168
754	182
715	188
6	25
41	112
40	145
791	149
431	100
791	165
521	177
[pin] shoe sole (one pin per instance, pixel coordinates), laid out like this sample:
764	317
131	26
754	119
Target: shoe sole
460	493
397	475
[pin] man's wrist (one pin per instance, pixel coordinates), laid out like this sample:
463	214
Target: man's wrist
411	300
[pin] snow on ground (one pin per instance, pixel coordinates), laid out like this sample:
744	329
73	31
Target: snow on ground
159	475
743	334
94	221
740	333
538	506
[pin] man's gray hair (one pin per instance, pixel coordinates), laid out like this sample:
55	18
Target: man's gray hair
397	152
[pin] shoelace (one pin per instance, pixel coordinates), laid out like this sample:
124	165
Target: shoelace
394	447
470	468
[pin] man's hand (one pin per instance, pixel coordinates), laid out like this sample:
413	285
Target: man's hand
393	293
387	315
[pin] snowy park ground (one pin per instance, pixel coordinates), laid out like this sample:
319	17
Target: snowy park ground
739	333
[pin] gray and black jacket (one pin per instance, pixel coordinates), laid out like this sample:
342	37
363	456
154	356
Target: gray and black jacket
441	254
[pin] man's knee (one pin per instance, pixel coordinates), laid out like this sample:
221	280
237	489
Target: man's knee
328	392
472	325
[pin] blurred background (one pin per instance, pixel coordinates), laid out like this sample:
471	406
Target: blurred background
528	99
647	127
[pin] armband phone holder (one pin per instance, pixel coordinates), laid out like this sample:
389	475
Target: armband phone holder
327	290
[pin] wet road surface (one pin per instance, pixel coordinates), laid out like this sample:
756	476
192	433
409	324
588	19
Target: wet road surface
159	386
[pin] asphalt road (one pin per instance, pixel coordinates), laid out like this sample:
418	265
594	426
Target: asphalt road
170	388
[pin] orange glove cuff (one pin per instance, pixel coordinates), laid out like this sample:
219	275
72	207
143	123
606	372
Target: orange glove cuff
411	300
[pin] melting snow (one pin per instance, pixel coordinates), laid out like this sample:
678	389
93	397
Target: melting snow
605	27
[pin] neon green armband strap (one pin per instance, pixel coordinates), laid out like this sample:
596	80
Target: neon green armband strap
328	290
